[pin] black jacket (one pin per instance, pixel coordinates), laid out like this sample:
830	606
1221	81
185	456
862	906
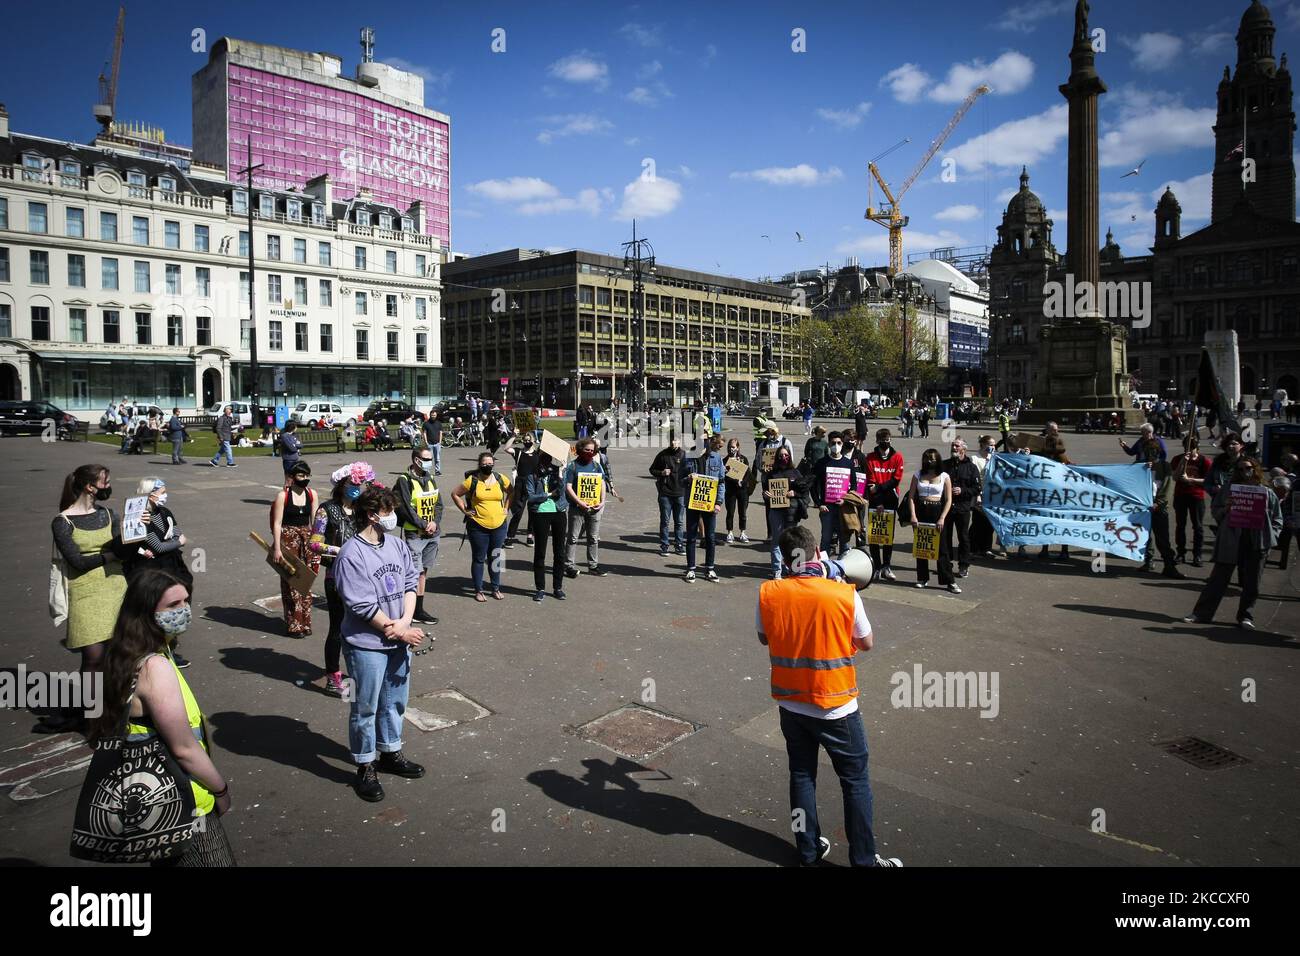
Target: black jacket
817	481
966	476
673	460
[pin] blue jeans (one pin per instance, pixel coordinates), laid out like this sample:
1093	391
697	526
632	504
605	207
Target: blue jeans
177	446
382	685
778	519
832	528
845	741
692	532
671	509
437	456
223	448
484	544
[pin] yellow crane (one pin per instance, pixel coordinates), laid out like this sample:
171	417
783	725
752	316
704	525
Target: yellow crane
891	216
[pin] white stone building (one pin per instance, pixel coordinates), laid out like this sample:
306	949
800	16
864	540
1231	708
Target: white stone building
124	275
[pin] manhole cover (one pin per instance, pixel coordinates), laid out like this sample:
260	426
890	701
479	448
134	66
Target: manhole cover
690	623
441	709
636	732
1201	753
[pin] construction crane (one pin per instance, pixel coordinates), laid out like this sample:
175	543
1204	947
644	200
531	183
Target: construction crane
891	216
108	85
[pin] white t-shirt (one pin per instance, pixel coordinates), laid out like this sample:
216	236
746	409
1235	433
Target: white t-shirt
861	628
931	487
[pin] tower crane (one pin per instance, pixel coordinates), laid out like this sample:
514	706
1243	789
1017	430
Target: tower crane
108	85
890	215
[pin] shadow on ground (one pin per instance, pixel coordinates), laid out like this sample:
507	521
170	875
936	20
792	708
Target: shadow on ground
284	741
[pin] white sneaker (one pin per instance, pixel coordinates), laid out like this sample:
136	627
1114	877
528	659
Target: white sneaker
954	589
711	575
730	537
690	577
744	538
888	573
920	584
892	861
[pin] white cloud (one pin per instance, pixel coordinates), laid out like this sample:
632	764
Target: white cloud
1123	209
1009	73
432	78
1213	44
710	54
631	140
845	119
572	124
642	35
1193	195
962	213
646	198
1025	17
1015	143
877	243
801	175
581	67
906	82
649	95
1004	197
1058	217
1154	52
685	172
653	68
590	201
1153	122
514	189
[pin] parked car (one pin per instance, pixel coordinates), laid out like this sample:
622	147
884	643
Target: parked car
29	417
312	414
449	409
394	411
242	412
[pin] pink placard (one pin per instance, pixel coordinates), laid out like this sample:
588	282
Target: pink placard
837	484
1248	507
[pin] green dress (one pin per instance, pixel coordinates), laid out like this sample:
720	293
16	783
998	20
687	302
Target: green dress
94	596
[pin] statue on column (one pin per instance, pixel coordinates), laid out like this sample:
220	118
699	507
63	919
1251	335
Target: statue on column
1081	11
767	354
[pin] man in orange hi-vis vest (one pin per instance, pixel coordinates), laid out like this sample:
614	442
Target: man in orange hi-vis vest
812	627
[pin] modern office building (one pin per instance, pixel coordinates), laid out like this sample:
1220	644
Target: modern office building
305	120
122	275
523	323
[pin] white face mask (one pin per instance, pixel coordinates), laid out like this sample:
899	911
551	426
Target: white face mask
162	498
388	522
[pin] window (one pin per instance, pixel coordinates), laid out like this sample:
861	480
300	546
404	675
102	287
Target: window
390	261
243	243
241	202
33	163
6	321
275	340
142	277
421	266
318	214
273	290
200	238
586	295
326	292
140	230
76	325
392	346
408	224
74	223
203	330
143	328
293	208
420	313
363	345
243	334
359	257
167	184
300	291
171	234
243	287
361	304
112	326
36	221
323	253
175	330
421	346
4	213
327	342
385	221
266	206
273	247
41	323
363	217
300	336
76	271
40	267
390	306
203	281
172	278
4	264
300	250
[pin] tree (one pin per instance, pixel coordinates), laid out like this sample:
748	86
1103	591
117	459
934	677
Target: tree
923	359
843	348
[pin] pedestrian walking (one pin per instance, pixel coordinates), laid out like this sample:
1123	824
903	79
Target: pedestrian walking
737	495
376	579
860	420
667	470
433	436
145	691
812	627
548	504
931	494
807	418
419	510
224	427
1004	429
293	512
177	435
290	446
484	500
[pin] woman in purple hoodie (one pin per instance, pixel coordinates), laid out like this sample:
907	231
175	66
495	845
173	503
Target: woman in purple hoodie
377	579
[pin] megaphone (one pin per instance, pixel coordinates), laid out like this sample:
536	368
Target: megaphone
858	568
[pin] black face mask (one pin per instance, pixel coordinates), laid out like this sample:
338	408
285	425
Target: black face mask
103	494
485	469
302	482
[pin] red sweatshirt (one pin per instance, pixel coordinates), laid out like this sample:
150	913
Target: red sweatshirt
886	473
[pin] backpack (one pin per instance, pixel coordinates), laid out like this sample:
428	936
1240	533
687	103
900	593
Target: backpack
473	477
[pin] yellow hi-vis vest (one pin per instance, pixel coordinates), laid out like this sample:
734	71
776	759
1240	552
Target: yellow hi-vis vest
203	799
423	502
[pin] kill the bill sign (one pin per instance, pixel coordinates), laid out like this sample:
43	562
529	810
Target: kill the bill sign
703	493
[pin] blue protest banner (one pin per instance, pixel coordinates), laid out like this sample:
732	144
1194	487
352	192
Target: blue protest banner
1031	500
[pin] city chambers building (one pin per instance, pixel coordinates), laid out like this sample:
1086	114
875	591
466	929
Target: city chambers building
124	273
1239	273
525	324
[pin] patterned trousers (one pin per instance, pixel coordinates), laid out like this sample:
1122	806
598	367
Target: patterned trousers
297	606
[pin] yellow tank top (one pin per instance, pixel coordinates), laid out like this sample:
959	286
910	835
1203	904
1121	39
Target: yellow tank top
203	799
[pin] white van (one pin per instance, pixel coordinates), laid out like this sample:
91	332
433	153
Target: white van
242	412
312	414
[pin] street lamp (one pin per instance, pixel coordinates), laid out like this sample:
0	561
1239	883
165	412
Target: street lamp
638	259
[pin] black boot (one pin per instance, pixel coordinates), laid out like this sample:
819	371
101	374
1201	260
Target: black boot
396	763
367	784
1171	571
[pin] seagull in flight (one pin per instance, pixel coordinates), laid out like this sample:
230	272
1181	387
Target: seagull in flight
768	238
1135	170
798	236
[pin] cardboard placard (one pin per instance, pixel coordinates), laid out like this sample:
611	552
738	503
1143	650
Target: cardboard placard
300	577
556	447
1037	444
133	526
525	420
704	493
925	542
779	489
590	487
880	527
769	458
849	517
736	469
1247	507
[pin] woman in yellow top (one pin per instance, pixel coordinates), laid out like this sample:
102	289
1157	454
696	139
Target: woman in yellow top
155	611
484	498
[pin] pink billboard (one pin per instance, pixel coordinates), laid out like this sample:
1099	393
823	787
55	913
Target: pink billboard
302	129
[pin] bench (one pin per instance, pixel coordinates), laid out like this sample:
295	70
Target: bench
320	438
358	442
80	431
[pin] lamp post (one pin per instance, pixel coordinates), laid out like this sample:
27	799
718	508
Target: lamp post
905	294
638	258
254	392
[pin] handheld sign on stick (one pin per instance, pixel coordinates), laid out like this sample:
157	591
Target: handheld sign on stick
299	576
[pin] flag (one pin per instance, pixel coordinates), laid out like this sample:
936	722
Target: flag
1209	394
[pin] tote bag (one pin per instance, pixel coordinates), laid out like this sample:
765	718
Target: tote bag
58	585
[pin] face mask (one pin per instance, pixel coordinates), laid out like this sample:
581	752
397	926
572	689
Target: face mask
162	498
175	620
836	448
388	522
426	465
302	482
485	469
585	457
103	494
352	492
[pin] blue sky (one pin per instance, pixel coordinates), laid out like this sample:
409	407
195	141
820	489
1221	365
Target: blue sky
748	138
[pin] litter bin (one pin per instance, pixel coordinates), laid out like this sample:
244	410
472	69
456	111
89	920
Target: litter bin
942	411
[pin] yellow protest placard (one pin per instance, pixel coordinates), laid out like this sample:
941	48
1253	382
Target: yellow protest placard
525	420
779	491
769	458
426	502
736	469
589	488
880	527
704	493
925	543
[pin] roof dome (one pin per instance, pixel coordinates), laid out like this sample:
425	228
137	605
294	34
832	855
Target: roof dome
1025	203
1168	199
1256	15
